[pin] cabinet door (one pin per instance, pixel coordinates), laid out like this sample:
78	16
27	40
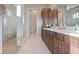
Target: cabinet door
44	35
66	44
48	39
74	45
51	42
61	47
66	48
55	45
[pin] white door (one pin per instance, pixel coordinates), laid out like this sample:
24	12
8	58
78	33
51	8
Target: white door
33	21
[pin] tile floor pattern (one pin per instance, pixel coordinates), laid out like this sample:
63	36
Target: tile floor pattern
33	45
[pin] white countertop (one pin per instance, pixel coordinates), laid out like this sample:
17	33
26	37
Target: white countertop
66	32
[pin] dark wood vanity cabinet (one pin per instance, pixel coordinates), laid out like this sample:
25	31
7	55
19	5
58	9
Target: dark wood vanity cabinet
66	44
45	37
51	41
55	46
60	38
48	16
57	43
48	39
60	47
45	15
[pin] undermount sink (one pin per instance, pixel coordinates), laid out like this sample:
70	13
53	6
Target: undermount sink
69	31
73	32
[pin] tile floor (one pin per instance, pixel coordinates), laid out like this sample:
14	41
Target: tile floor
10	46
33	45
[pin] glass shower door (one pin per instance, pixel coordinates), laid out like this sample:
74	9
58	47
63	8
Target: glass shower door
1	34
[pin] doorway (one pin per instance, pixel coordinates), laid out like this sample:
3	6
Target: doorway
33	21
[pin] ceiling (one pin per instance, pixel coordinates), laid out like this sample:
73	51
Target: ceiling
68	6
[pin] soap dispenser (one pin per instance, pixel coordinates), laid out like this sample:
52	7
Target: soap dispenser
61	27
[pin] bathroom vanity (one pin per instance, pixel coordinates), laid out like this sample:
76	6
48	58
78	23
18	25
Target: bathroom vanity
61	41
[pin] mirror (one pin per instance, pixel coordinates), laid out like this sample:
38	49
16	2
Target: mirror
73	16
68	14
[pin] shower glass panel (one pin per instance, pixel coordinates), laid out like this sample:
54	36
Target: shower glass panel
1	17
19	23
9	44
